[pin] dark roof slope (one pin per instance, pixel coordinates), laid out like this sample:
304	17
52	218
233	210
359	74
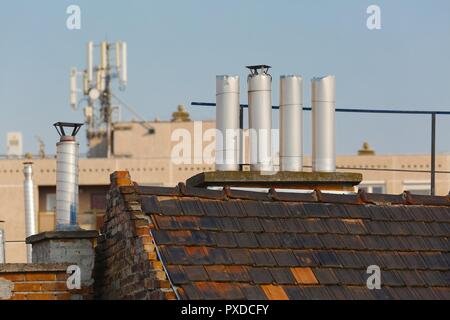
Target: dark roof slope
247	245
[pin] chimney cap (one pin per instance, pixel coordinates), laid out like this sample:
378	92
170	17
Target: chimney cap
263	67
59	126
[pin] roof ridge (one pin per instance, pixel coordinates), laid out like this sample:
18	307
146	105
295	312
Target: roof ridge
359	198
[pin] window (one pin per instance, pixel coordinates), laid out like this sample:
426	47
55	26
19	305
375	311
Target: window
373	187
98	201
419	188
50	202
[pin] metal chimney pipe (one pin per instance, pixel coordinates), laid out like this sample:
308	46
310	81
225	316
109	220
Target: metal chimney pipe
30	218
260	117
291	110
323	102
2	246
227	123
67	150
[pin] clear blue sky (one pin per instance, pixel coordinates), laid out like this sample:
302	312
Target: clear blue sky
177	47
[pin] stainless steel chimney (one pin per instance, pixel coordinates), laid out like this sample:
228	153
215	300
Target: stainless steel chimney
260	117
2	246
323	102
291	110
227	123
30	218
67	177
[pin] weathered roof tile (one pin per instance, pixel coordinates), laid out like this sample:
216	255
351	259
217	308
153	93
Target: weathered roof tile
246	245
194	273
304	276
282	275
275	292
260	275
284	258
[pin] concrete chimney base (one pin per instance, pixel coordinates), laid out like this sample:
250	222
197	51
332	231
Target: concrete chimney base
74	247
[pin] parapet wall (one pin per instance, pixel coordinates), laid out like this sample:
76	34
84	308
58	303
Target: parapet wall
37	282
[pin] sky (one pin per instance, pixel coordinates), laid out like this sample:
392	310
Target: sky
176	48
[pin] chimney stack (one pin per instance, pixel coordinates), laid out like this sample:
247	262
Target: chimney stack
260	117
323	103
227	123
30	218
291	110
67	177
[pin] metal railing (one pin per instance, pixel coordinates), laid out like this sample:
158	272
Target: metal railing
433	115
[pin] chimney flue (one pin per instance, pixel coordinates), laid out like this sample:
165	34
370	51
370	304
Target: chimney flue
67	177
30	218
291	110
227	123
323	103
2	246
260	117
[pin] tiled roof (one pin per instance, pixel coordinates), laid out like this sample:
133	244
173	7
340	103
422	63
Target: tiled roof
248	245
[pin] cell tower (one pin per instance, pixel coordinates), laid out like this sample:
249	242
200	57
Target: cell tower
96	88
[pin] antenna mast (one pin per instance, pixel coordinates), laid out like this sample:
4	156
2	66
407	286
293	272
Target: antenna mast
97	89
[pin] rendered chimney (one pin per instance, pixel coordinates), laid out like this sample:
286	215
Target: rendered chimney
291	110
227	123
30	217
323	96
67	177
260	117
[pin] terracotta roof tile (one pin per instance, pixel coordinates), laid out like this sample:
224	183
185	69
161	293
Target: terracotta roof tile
304	276
252	292
326	276
250	225
191	207
275	292
284	258
282	275
233	208
195	273
236	245
230	225
200	192
170	207
241	256
212	208
339	198
220	290
317	210
260	275
293	197
306	258
224	239
218	273
238	273
263	258
276	210
246	195
295	293
382	199
253	208
268	240
209	224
